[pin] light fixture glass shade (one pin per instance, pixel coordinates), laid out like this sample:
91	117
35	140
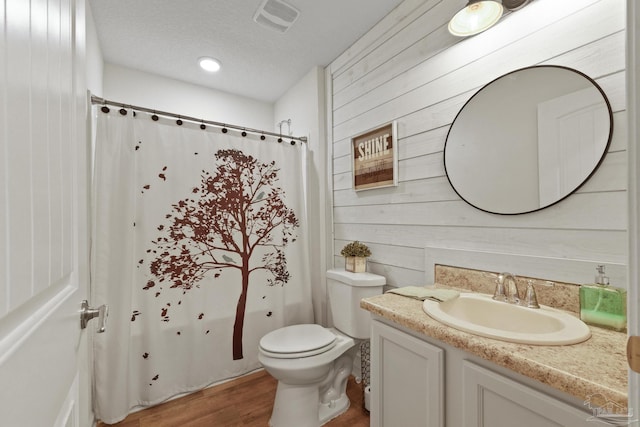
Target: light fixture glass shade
209	64
476	17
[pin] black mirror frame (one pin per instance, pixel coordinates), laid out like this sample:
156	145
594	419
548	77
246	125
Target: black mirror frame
604	153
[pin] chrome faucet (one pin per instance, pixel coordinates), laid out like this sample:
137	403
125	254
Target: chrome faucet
513	295
507	289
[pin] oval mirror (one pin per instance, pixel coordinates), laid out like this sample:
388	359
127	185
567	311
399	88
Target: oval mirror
528	139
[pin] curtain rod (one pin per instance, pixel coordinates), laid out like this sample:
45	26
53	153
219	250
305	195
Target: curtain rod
101	101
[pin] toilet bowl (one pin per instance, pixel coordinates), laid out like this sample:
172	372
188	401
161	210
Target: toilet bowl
311	363
309	377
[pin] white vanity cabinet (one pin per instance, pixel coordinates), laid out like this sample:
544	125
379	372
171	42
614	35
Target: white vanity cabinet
407	380
493	400
419	381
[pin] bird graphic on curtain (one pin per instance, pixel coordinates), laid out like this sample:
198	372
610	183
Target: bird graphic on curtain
236	219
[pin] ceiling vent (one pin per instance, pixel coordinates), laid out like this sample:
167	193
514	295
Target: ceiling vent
276	15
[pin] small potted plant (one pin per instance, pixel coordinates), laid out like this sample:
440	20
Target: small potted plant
355	257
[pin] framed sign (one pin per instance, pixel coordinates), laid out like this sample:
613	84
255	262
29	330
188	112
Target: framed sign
374	155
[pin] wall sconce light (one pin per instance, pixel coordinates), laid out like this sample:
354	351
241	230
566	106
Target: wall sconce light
480	15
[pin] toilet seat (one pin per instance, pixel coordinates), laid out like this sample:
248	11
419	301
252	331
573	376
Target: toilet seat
297	341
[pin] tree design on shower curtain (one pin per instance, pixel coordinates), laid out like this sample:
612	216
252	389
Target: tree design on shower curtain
236	219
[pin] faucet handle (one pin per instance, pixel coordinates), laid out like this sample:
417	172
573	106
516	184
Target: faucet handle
499	294
530	297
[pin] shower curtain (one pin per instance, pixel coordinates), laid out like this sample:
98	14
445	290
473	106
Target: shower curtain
198	248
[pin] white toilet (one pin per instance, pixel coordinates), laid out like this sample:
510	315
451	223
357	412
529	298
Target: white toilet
311	363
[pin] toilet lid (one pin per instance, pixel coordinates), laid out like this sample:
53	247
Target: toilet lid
306	339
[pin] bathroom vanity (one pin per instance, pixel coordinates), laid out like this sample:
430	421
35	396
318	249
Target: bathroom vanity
428	374
424	373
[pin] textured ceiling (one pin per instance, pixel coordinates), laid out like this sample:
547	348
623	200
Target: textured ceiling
166	37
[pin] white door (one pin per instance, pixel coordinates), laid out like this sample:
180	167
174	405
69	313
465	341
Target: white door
43	213
573	132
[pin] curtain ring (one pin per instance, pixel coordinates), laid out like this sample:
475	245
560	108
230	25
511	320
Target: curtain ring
243	133
224	129
279	139
104	108
202	125
154	117
293	142
179	121
123	111
262	137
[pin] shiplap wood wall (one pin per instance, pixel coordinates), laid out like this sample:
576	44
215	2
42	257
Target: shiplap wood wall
410	69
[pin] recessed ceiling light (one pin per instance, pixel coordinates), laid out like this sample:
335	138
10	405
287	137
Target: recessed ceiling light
209	64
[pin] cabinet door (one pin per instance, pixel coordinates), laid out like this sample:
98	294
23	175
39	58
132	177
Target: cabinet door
491	400
407	380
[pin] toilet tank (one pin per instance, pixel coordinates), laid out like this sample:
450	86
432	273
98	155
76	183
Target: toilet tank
346	289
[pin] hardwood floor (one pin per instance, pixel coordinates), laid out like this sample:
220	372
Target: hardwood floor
245	401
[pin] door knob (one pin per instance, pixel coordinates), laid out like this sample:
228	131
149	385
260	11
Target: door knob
633	353
87	313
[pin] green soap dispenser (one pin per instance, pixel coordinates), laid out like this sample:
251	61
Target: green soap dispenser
603	305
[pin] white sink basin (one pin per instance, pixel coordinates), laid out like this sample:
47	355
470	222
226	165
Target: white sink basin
479	314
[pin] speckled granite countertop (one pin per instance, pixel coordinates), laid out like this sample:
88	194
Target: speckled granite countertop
598	365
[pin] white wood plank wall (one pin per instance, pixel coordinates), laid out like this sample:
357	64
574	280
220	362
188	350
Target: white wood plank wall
410	69
36	123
